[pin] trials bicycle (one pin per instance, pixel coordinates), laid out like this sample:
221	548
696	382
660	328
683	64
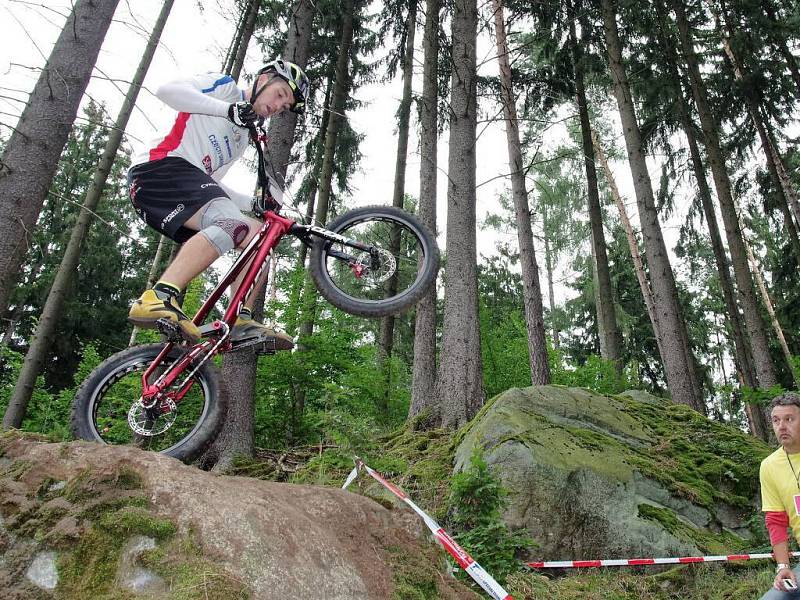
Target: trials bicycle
372	261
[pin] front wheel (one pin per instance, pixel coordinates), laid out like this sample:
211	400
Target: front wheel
106	408
384	261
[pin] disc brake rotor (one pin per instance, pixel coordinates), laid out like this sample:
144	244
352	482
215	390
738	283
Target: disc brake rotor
386	267
142	422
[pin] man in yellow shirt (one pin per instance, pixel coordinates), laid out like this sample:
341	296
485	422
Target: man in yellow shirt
780	493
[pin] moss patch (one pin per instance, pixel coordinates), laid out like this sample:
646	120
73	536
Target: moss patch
712	582
89	571
414	577
190	576
722	543
700	460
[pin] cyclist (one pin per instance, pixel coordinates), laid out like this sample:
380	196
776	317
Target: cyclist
175	184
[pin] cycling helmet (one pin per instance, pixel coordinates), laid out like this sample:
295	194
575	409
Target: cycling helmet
291	74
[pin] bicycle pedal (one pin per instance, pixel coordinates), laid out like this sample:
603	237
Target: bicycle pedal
259	344
171	331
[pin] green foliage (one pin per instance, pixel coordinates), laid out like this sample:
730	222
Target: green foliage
476	501
114	262
709	581
596	374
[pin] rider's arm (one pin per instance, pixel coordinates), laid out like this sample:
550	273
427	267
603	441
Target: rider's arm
204	94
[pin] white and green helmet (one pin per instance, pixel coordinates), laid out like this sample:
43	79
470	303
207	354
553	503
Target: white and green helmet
291	74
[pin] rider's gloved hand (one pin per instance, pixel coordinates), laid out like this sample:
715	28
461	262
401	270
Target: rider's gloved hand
242	114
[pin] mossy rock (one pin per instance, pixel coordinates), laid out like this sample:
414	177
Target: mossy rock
580	466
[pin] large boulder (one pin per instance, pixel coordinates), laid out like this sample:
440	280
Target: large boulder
593	476
81	520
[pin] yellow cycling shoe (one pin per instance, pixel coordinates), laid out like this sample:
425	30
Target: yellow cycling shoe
248	329
149	308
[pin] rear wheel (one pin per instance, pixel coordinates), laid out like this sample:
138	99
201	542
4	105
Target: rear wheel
388	261
106	408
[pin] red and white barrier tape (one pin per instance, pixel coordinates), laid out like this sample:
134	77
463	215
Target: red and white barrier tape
464	560
635	562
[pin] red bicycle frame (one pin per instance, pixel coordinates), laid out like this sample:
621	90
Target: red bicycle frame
256	254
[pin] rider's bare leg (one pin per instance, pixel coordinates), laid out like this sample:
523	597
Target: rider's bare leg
194	257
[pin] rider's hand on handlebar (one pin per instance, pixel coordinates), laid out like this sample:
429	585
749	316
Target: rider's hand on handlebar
242	114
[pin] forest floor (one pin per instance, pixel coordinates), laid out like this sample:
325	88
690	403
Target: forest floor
420	463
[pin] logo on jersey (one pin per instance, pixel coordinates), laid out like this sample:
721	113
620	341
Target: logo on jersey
237	137
172	215
217	148
208	185
228	146
207	164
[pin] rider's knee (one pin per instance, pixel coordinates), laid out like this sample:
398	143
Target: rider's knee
223	225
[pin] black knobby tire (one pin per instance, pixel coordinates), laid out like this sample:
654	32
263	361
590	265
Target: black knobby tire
414	254
101	405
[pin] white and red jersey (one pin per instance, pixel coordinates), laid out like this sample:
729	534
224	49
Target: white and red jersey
201	134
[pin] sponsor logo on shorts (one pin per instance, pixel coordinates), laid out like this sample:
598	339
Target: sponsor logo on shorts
228	146
207	164
208	185
172	215
217	148
135	187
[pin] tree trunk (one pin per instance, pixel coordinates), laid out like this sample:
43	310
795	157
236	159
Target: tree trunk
762	360
239	369
610	337
776	326
780	44
532	291
233	48
742	351
460	384
423	382
633	242
31	155
787	196
386	336
675	352
246	33
51	313
548	266
340	91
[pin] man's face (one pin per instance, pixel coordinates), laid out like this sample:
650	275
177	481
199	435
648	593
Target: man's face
786	424
275	98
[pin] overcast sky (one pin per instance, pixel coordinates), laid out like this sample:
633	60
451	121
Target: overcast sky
195	41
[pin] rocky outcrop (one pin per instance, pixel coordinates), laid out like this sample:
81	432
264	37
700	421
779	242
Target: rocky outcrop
593	476
86	521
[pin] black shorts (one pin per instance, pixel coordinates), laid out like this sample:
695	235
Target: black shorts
165	193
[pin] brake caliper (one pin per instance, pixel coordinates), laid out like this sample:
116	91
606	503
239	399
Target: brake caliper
358	269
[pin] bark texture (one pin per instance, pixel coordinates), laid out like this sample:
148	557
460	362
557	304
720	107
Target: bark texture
423	382
239	368
754	323
742	352
531	288
460	384
30	158
51	313
341	88
675	353
610	336
386	336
